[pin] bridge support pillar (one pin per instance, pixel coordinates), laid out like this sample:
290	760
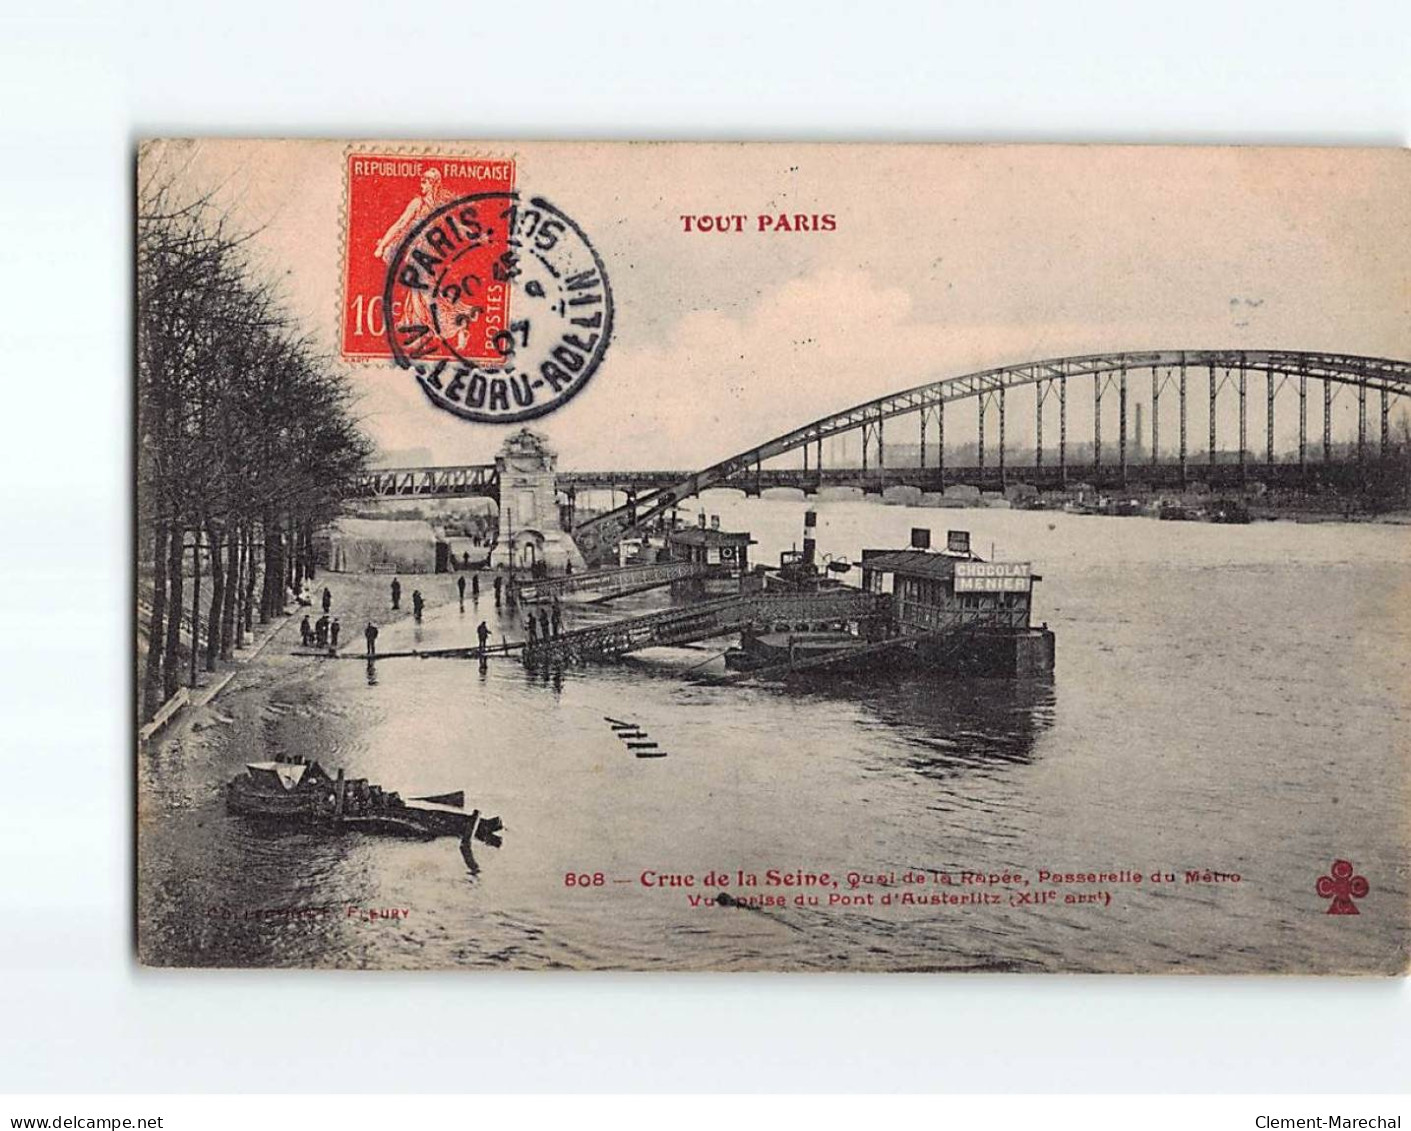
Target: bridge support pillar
1303	424
1386	430
1327	421
1214	390
1361	423
1001	438
1097	419
1039	424
1243	420
1269	419
881	453
941	444
980	400
1155	413
1183	421
1063	431
1122	423
923	439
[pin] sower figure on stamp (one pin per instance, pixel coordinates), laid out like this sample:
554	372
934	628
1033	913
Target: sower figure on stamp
396	594
433	196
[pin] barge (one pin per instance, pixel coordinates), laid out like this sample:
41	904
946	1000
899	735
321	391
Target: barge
295	791
948	611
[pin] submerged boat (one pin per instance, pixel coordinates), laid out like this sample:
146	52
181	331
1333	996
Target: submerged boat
300	792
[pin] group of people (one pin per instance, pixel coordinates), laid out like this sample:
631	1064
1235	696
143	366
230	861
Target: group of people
323	633
547	626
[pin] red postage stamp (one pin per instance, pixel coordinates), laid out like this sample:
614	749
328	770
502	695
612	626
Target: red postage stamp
389	195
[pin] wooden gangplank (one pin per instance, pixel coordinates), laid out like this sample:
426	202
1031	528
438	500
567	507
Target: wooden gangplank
606	584
704	620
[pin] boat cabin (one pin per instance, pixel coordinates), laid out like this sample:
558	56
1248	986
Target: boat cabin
934	590
724	553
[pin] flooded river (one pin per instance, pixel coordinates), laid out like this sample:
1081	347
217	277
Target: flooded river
1226	699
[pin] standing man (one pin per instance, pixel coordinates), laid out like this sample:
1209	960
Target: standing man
499	582
557	617
483	632
417	603
333	630
543	622
475	587
321	631
396	594
532	628
370	634
327	600
306	631
460	585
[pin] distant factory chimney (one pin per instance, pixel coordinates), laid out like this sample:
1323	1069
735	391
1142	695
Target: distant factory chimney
810	544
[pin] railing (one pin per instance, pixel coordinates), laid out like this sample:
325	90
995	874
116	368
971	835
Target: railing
609	582
476	479
709	618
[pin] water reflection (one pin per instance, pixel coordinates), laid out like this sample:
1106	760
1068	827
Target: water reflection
939	725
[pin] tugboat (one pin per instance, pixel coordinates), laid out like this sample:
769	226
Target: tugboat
300	792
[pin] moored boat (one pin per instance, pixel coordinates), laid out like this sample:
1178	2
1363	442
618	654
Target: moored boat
300	792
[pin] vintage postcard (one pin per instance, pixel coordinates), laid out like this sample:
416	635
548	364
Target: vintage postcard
789	557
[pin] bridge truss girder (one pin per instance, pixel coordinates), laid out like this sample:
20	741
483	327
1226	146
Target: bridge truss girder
1387	376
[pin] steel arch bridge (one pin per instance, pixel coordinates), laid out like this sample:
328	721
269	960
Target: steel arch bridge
1050	378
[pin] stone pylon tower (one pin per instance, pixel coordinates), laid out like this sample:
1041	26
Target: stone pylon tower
530	530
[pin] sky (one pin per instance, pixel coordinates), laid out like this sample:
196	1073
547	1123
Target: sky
943	260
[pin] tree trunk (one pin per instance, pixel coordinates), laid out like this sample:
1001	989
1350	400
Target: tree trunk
217	612
195	600
232	590
152	680
171	661
249	621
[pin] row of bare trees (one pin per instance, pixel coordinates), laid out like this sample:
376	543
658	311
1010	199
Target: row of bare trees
246	441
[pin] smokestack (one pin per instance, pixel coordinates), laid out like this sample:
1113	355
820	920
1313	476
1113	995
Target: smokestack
701	517
810	545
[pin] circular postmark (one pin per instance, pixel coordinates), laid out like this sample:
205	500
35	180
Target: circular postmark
501	307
